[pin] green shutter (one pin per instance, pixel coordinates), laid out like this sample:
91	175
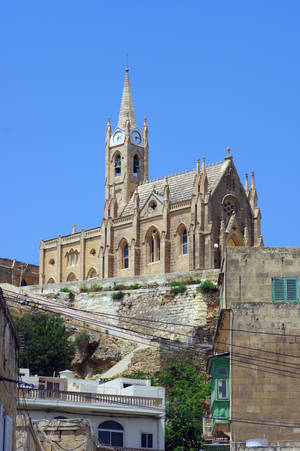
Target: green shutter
284	289
292	289
278	289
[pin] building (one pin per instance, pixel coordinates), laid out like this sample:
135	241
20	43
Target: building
8	377
18	273
255	369
123	413
177	223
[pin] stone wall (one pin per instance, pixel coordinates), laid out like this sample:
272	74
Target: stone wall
265	372
26	437
149	315
18	273
249	271
68	434
8	363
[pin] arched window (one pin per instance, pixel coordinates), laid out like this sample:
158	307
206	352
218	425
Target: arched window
136	164
110	433
125	256
73	258
92	273
51	280
184	245
71	277
23	283
153	243
230	182
118	164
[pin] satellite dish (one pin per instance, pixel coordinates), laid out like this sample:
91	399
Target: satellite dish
256	443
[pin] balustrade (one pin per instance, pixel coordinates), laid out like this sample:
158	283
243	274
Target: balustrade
98	398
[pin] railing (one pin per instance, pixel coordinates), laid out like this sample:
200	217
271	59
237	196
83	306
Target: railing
97	398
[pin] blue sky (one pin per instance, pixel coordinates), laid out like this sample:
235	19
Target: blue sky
206	74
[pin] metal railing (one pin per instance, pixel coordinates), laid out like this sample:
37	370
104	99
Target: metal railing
95	398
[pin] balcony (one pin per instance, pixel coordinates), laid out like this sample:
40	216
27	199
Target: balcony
92	398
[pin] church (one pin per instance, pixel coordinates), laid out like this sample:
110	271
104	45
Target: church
177	223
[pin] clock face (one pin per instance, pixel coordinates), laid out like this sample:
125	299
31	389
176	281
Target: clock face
117	137
136	137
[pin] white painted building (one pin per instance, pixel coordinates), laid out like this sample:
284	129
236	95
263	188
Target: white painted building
123	413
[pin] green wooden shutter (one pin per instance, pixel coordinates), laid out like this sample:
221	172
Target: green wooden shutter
291	289
277	289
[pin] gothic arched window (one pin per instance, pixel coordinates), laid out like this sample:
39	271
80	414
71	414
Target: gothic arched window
153	243
230	182
184	246
125	256
136	164
118	164
111	433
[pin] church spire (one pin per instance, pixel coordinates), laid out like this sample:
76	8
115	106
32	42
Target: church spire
126	110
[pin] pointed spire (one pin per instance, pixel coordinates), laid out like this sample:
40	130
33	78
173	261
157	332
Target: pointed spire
126	110
74	228
203	167
246	185
252	180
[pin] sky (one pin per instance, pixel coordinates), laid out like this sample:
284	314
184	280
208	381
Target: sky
206	74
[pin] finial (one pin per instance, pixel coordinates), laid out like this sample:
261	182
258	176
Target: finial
74	228
145	122
198	165
246	184
108	120
252	180
228	156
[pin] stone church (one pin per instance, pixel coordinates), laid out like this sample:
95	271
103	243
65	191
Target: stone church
177	223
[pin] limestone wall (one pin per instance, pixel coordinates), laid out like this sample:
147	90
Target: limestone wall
150	314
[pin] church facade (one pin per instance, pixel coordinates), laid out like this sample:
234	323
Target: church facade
177	223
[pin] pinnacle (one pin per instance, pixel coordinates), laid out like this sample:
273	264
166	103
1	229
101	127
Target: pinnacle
126	109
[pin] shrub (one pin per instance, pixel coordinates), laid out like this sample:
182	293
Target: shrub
117	296
177	287
134	286
118	287
84	289
82	340
207	287
71	293
94	288
191	281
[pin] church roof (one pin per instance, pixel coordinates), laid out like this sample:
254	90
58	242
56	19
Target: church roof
181	187
126	109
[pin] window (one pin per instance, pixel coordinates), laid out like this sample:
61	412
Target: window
184	242
153	245
136	164
110	433
285	289
222	371
147	441
222	389
125	256
73	258
152	249
118	165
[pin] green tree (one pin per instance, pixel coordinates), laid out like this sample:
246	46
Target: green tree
46	348
186	389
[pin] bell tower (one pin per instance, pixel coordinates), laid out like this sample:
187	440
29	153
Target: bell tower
126	156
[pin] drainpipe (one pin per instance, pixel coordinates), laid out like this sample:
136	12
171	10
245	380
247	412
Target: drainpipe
230	372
